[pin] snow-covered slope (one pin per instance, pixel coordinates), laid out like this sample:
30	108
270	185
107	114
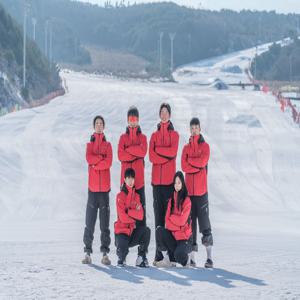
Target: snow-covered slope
253	191
229	68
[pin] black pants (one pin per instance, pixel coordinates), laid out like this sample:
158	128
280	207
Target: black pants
97	200
161	195
141	193
200	212
177	250
139	237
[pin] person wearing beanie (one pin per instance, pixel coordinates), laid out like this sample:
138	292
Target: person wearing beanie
99	158
194	160
129	212
162	154
132	149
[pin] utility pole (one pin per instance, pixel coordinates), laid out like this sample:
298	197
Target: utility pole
50	43
26	7
172	37
255	64
291	68
259	30
157	48
161	34
34	26
190	44
46	38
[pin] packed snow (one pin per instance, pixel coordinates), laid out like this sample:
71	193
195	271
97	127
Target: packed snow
254	190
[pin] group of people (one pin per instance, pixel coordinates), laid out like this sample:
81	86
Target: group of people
179	202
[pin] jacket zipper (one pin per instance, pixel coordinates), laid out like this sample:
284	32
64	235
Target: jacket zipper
193	184
163	145
99	170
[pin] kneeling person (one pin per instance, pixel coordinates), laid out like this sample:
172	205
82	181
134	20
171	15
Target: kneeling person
129	211
175	236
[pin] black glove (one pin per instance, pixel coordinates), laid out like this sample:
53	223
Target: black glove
93	138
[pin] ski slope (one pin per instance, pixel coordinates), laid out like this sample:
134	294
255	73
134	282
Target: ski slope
254	191
229	68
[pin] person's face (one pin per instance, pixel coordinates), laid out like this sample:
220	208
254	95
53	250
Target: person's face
99	126
195	130
129	181
164	115
178	184
133	121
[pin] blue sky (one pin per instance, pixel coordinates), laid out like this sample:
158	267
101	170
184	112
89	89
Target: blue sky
284	6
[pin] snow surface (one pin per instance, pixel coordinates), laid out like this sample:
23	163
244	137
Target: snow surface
254	191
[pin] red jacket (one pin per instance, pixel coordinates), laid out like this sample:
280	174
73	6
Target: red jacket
162	153
129	209
194	159
132	149
99	158
179	222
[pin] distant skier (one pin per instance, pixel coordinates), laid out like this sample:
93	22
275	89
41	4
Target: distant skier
194	160
162	154
129	212
99	157
175	236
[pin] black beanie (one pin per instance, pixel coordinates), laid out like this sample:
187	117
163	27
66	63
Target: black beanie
195	121
133	111
167	106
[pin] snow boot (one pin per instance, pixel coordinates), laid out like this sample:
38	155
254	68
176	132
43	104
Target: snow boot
87	259
105	260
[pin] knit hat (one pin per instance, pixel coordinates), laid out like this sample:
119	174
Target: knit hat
194	121
133	111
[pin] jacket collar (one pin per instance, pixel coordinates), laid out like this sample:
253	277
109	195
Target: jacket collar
168	125
98	136
197	139
137	130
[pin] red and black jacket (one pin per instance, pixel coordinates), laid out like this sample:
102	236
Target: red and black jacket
179	221
129	210
99	157
194	160
162	153
132	150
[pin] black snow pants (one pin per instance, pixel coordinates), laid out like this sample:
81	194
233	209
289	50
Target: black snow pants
161	195
97	201
178	251
200	213
139	237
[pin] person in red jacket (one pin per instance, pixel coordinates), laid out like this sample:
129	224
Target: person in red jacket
175	236
162	153
129	211
194	160
99	158
132	150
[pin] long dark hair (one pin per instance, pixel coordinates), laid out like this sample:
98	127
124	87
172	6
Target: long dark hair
96	118
182	194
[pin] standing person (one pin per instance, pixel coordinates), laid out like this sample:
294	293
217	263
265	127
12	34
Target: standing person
132	150
99	157
194	160
175	236
162	153
129	211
